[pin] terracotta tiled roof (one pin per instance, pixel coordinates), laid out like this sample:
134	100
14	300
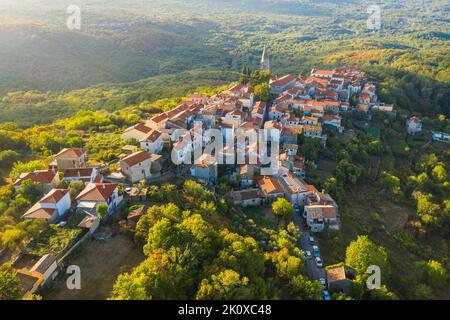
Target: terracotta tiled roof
258	111
298	164
236	87
281	82
151	136
323	72
322	81
312	128
38	176
97	192
270	185
311	119
135	158
414	119
70	153
284	97
159	118
317	211
363	107
311	188
226	108
54	196
237	113
364	96
172	113
82	172
290	130
329	117
336	274
142	127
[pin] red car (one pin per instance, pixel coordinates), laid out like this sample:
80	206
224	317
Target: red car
305	224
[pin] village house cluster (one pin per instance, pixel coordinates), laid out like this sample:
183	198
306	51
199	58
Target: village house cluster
57	206
300	105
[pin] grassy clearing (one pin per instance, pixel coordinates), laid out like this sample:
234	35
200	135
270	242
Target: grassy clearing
262	216
374	132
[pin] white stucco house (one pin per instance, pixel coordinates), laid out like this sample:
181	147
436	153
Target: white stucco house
413	125
99	193
52	206
152	142
136	166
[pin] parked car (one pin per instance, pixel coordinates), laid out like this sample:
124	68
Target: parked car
308	254
326	295
62	224
323	282
319	263
311	240
305	224
316	251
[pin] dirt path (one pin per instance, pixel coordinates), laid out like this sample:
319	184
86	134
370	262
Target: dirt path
100	263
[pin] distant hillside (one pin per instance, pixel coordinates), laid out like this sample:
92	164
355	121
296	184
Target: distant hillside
129	40
177	46
31	108
35	58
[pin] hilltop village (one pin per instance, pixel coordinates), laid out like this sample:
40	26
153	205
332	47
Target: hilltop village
302	107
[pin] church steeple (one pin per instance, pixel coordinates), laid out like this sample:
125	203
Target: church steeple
265	61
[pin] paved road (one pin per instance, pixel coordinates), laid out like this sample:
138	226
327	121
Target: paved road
314	272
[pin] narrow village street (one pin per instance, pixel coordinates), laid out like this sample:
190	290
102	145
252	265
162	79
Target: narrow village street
314	272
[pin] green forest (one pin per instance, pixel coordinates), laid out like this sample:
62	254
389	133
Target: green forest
145	53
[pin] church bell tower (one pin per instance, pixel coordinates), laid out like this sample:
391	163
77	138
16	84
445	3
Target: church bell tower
265	61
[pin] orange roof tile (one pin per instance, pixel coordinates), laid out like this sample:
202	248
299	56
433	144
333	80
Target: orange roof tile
54	196
97	192
135	158
70	153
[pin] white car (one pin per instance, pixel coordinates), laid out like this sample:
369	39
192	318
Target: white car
308	254
323	282
311	240
319	263
326	295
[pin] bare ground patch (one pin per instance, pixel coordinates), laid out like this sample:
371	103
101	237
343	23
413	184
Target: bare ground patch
395	216
100	263
325	169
